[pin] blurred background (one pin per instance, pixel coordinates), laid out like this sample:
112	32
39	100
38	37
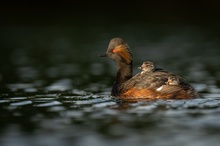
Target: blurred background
36	38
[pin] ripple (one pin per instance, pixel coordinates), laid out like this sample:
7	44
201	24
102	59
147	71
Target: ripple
211	95
140	110
91	101
53	103
105	104
200	87
211	104
86	102
47	95
15	87
80	92
194	103
44	97
56	108
4	101
176	103
214	89
30	90
60	85
21	103
74	114
18	98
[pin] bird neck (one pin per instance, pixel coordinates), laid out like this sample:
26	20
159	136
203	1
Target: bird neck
124	73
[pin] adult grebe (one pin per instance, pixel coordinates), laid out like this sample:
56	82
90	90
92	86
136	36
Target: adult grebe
145	85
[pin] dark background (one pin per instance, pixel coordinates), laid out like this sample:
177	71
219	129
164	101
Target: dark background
43	34
201	13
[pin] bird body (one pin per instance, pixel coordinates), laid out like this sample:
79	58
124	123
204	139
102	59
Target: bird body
144	85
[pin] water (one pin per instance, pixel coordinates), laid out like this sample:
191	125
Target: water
80	118
54	89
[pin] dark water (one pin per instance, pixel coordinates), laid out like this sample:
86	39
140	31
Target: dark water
54	89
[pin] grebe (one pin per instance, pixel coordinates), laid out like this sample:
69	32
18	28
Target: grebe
142	86
173	81
147	67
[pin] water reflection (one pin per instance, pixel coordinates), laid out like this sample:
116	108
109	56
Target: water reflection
82	117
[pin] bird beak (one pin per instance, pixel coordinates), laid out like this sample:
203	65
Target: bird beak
104	55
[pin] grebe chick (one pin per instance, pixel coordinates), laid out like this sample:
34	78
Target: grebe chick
127	86
147	67
173	81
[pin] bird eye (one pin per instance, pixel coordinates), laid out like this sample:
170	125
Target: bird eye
114	51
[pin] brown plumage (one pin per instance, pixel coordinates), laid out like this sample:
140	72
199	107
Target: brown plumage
149	85
147	67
